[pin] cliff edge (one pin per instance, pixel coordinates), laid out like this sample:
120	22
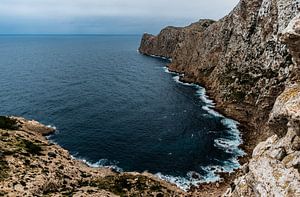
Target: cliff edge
249	61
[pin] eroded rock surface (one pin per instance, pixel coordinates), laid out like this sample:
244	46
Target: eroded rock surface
275	164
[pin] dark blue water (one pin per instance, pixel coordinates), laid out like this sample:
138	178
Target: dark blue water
113	106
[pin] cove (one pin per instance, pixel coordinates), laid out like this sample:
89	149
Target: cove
115	107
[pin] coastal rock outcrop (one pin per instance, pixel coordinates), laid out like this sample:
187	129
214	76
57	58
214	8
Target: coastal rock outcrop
30	165
166	42
274	169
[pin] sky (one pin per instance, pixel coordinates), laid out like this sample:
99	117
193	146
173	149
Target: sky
105	16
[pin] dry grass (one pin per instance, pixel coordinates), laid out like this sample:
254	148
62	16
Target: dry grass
290	94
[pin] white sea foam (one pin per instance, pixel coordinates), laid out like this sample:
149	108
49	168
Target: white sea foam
52	127
234	135
201	92
168	71
230	144
194	179
161	57
177	80
211	111
182	182
102	163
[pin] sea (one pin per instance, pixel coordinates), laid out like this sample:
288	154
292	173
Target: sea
117	108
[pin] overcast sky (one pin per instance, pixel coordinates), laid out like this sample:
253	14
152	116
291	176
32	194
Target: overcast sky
105	16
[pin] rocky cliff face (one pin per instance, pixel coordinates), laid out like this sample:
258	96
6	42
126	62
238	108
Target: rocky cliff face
274	169
239	59
250	63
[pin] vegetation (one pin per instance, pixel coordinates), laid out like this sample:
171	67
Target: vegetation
128	185
3	169
30	147
290	94
8	123
237	96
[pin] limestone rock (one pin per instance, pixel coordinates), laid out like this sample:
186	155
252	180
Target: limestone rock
286	111
272	172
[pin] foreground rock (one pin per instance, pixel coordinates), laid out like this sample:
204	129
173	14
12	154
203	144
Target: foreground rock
274	169
32	166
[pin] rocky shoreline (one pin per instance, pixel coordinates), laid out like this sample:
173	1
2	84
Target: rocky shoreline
32	166
247	61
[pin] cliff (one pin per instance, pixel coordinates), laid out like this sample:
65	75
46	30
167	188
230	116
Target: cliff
249	62
239	59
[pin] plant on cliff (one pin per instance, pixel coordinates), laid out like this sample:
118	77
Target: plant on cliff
30	147
8	123
125	185
3	169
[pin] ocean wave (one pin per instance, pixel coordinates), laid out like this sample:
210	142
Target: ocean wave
192	178
184	183
211	111
51	126
177	80
161	57
230	144
168	71
201	92
157	56
101	163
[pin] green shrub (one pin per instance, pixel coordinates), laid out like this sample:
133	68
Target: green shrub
3	169
30	147
8	123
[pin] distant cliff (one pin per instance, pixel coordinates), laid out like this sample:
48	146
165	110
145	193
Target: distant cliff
248	60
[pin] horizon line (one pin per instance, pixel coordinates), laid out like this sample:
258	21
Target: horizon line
68	34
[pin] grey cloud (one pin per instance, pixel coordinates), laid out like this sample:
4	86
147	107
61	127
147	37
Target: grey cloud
109	13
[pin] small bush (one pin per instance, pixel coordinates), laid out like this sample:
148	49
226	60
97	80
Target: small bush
3	170
30	147
8	123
